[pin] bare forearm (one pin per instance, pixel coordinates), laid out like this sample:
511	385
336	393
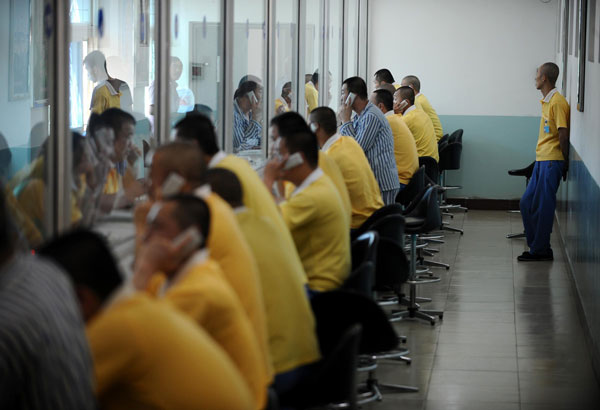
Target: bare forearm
563	137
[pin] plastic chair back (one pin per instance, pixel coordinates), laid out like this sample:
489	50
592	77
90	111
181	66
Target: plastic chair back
456	136
414	187
431	168
364	249
450	156
427	207
392	266
361	280
392	209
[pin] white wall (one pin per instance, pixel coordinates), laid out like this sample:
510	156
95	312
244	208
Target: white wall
474	57
585	126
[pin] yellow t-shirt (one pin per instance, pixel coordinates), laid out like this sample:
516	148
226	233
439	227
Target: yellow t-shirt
113	182
330	168
255	194
202	293
290	321
231	251
312	96
405	148
422	130
148	355
32	233
317	221
423	103
555	114
360	181
103	99
281	106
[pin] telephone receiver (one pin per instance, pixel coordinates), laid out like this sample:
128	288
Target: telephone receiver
293	161
252	97
172	185
350	99
402	104
191	237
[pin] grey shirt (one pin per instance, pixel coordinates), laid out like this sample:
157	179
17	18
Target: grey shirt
45	361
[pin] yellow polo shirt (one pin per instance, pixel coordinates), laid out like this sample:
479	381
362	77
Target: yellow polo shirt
555	114
255	194
281	106
359	179
231	251
315	215
113	182
422	130
405	147
331	169
423	103
103	99
201	292
311	94
148	355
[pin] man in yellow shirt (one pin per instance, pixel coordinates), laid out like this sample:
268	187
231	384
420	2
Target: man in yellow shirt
311	92
292	339
200	130
384	76
145	353
183	162
174	265
551	162
314	213
405	147
363	189
417	121
423	103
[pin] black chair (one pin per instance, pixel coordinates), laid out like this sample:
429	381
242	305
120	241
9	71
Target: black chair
423	217
456	136
522	172
364	257
332	383
392	209
364	249
443	140
431	168
337	310
449	160
414	187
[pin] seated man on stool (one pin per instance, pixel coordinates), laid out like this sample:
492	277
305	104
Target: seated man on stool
418	122
539	200
314	213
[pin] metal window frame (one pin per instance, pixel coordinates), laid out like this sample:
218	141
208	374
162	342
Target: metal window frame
363	39
301	58
228	89
324	56
163	56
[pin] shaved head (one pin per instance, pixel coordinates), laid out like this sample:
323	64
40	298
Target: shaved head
182	158
551	71
412	81
388	87
406	93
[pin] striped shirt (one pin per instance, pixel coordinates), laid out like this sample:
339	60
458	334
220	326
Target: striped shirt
246	131
373	133
44	356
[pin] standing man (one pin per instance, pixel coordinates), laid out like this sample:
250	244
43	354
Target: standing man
373	133
311	92
539	200
423	103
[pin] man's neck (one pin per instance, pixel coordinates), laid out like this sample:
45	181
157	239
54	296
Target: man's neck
359	105
102	77
322	140
301	174
546	88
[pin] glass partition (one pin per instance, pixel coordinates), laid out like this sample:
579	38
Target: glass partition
313	32
351	39
334	57
195	58
112	103
249	79
24	119
286	12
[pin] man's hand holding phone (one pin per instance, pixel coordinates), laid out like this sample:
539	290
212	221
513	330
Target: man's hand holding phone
345	113
273	170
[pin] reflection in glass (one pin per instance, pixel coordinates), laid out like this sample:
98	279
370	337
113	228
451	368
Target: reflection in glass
335	48
351	38
249	70
284	54
312	52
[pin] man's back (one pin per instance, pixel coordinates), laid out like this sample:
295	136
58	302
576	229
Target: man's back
373	134
44	355
405	148
423	103
315	216
202	293
363	190
331	169
291	324
422	129
148	355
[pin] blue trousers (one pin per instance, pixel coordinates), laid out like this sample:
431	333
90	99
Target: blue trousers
539	203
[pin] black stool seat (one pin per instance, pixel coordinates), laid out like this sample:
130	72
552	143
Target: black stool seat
523	172
412	222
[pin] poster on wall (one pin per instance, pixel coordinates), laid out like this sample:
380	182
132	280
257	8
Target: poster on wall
38	55
582	15
18	71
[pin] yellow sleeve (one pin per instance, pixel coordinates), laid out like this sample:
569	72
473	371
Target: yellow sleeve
99	101
288	188
560	112
113	348
297	211
312	98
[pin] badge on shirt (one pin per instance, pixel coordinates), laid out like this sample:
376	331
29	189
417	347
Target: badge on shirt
546	127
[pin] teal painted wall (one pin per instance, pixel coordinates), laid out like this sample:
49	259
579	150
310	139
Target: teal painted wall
491	146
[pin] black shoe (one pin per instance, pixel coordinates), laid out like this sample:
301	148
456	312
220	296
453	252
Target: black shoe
534	257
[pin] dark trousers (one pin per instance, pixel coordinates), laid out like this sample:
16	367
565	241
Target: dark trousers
539	203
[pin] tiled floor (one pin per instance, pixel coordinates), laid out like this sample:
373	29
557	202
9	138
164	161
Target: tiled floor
511	337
